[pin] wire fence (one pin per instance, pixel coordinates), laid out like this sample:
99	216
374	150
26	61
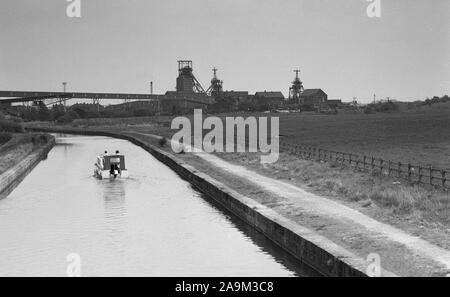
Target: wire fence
426	175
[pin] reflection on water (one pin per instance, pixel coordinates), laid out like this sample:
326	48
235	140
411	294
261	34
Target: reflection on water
152	224
114	196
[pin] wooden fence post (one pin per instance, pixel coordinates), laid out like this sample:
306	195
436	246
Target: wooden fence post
409	172
399	172
420	174
431	175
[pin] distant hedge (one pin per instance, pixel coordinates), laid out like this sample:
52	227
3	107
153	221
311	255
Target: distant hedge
381	107
8	126
69	117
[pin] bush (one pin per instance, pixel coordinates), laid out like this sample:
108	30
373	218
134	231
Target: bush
369	110
68	117
162	141
73	114
387	107
65	119
381	107
39	139
5	137
8	126
142	113
436	100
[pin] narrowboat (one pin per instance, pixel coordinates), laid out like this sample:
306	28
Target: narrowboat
110	167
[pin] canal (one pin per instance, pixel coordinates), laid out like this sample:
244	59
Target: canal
152	224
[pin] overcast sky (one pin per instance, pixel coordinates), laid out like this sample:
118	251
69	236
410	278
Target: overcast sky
121	45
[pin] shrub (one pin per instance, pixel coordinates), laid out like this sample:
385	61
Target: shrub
369	110
8	126
73	114
162	141
387	107
39	139
5	137
381	107
141	113
68	117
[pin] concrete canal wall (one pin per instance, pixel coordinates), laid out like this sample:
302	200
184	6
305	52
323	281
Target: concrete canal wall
13	176
305	245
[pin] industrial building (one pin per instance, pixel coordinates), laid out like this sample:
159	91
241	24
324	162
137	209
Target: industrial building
238	98
269	99
335	103
313	98
189	93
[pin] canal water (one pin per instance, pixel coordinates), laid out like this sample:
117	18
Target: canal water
152	224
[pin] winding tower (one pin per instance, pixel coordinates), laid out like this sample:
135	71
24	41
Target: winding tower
215	89
186	81
296	89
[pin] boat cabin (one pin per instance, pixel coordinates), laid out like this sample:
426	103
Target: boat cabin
111	162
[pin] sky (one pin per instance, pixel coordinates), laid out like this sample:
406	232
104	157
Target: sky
122	45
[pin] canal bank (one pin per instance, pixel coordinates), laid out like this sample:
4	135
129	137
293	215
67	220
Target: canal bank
13	176
304	244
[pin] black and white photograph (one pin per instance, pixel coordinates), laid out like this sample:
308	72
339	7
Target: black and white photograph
225	147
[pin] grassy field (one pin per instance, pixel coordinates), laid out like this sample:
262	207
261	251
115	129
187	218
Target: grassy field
419	137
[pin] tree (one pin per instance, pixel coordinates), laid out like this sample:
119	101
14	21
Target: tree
57	111
44	113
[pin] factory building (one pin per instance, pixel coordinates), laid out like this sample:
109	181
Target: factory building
270	99
313	98
335	103
181	103
237	98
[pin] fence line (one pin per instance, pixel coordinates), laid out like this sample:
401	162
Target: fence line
412	173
